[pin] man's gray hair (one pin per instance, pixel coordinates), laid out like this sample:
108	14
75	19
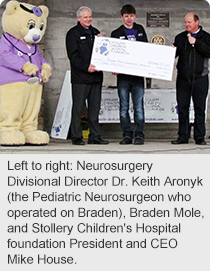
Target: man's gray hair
81	9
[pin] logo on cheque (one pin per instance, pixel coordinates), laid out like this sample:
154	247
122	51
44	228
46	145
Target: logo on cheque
103	47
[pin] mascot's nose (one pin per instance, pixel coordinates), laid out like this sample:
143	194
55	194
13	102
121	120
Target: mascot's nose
36	37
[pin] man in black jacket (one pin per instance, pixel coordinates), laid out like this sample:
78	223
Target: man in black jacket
131	84
193	50
86	80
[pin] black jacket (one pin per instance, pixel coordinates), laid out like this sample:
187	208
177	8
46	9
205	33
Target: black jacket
141	36
79	45
120	33
193	60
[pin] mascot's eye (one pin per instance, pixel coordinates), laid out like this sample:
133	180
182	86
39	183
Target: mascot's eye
41	27
31	24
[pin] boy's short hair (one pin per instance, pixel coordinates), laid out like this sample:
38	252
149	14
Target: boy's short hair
128	9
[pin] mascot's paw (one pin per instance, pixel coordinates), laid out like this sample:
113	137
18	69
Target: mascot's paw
37	138
29	69
12	138
46	72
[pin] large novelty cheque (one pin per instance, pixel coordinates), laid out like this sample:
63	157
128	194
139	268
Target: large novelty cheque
134	58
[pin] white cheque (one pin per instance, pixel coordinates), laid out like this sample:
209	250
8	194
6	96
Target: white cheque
134	58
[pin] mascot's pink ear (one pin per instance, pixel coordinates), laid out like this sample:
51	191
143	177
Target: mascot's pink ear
45	10
11	7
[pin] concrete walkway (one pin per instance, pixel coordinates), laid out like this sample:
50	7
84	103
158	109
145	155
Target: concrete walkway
155	146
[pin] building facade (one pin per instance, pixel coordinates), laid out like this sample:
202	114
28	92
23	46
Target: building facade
106	17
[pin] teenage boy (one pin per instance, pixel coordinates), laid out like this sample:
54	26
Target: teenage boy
129	83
